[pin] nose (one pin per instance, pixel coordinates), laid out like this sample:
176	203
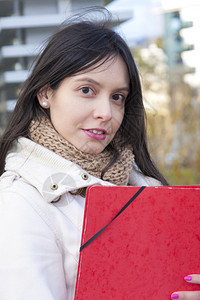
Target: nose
103	109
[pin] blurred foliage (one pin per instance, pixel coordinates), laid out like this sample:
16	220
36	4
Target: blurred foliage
173	120
159	42
181	176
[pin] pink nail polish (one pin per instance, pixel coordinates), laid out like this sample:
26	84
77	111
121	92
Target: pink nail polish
188	278
175	296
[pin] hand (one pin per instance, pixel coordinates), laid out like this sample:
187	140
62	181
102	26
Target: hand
191	295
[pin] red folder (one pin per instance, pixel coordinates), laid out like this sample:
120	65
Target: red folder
147	250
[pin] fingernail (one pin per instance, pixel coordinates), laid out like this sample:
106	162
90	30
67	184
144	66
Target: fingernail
188	278
175	296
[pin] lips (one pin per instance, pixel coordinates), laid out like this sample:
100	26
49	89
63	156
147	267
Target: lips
96	133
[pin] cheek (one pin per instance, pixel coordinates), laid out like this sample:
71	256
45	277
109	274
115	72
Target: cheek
59	111
118	119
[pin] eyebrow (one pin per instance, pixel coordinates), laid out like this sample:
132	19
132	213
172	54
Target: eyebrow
90	80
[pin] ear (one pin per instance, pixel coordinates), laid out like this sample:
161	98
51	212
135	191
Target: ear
42	96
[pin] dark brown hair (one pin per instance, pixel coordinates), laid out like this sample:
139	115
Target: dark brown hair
75	47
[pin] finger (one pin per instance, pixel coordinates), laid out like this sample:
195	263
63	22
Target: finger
194	278
193	295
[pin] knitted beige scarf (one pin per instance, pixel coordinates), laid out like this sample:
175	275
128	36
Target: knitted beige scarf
43	133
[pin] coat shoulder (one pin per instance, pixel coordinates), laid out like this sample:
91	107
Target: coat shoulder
137	178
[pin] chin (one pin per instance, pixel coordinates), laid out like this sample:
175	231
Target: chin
92	149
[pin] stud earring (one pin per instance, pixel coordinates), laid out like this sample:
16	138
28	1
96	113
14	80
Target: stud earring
44	103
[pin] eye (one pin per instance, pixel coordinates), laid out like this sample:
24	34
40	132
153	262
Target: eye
87	90
118	98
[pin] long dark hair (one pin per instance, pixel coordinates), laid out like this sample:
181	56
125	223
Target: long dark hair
75	47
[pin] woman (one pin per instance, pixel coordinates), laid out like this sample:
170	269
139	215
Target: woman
79	121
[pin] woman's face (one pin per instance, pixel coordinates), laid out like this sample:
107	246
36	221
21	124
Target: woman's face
88	108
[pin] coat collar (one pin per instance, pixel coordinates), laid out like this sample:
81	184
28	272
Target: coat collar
48	172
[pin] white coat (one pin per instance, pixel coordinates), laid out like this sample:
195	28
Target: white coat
39	237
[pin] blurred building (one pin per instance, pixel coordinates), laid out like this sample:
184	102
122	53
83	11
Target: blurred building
24	27
182	47
174	43
190	36
183	22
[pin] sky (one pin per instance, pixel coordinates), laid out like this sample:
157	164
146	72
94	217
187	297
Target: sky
169	4
145	24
